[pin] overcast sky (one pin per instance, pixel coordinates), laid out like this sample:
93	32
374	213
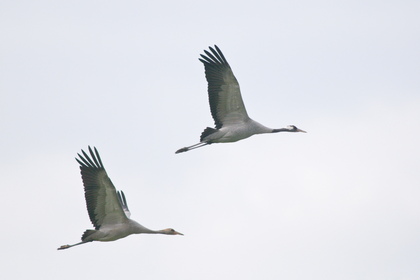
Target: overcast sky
340	202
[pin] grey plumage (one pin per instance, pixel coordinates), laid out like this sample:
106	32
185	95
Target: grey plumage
107	208
227	108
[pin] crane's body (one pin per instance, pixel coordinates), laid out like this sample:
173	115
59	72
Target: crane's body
231	119
116	231
236	132
107	208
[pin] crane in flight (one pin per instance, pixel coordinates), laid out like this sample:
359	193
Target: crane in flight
226	105
107	208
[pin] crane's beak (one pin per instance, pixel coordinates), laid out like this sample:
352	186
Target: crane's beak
178	233
300	130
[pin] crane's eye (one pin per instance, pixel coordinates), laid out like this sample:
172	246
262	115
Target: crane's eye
172	230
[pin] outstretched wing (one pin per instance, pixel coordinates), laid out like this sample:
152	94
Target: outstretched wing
123	203
226	104
102	202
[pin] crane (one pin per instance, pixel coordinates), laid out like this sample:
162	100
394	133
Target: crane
226	105
107	208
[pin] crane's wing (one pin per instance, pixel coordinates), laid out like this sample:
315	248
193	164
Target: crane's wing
102	202
123	203
225	98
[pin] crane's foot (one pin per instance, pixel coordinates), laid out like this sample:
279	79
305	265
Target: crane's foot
182	150
64	247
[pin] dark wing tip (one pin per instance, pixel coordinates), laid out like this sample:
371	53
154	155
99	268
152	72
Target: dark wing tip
94	160
98	157
220	55
214	56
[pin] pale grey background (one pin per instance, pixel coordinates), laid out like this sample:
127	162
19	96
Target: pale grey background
340	202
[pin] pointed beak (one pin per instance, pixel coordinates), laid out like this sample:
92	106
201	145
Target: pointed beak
178	233
300	130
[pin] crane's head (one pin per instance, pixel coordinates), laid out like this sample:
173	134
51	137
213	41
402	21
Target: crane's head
289	128
293	128
170	231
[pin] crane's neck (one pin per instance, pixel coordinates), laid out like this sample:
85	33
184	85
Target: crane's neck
162	231
254	127
281	130
138	228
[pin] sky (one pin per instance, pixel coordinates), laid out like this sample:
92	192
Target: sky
339	202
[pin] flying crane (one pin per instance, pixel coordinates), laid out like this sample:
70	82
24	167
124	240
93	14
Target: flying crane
227	108
107	208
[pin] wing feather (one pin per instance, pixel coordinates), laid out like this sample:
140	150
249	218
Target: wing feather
226	104
123	202
101	197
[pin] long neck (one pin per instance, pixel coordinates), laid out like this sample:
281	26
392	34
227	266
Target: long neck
280	130
257	128
138	228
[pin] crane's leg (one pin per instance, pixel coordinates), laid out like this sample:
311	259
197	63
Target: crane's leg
69	246
198	145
